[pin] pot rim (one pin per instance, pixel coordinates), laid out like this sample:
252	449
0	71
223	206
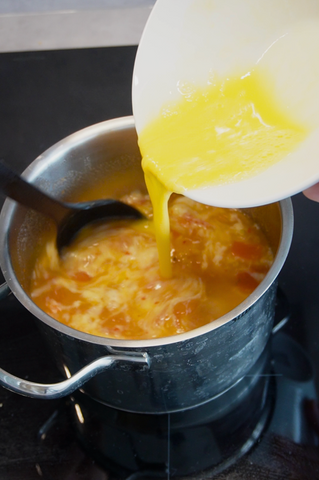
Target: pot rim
39	165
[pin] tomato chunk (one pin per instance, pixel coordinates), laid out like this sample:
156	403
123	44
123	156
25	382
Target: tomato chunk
248	251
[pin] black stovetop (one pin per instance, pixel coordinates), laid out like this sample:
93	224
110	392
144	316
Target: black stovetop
45	96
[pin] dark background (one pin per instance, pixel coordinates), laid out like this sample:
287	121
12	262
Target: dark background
45	96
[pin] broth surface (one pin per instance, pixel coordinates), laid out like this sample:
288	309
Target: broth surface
108	282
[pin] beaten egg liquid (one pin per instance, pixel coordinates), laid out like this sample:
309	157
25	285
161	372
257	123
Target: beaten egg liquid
229	131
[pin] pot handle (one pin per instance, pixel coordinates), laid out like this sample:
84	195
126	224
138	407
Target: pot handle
61	389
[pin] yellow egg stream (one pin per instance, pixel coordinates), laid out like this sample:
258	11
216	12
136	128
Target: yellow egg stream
159	196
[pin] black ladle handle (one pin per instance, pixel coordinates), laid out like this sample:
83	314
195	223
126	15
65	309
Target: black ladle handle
15	187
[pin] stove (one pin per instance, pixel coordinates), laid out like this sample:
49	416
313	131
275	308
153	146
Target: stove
268	430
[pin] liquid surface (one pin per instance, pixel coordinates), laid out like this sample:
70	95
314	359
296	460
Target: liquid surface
229	131
108	282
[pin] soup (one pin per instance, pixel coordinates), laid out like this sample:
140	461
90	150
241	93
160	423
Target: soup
108	282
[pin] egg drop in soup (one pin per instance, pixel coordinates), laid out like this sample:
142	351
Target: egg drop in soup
185	264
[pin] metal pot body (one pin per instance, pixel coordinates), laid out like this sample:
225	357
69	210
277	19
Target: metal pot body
175	373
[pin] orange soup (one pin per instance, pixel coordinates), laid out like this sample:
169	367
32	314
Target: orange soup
108	282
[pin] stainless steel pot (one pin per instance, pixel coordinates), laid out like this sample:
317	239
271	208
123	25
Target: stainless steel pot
147	376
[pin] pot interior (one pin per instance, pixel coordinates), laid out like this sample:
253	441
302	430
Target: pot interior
86	162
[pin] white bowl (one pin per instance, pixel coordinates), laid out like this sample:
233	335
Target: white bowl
189	40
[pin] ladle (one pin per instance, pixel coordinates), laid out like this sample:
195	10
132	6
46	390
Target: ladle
192	41
69	217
